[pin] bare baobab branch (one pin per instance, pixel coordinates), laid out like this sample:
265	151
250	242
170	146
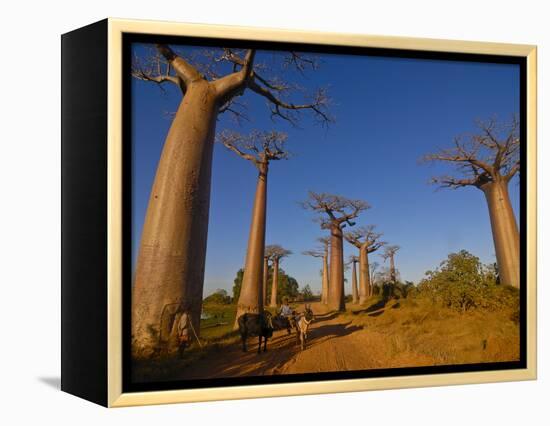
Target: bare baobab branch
490	156
488	161
211	65
187	72
339	212
276	253
257	147
210	81
338	209
313	253
389	253
365	236
367	241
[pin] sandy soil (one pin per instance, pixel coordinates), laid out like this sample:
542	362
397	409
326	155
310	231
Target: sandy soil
334	344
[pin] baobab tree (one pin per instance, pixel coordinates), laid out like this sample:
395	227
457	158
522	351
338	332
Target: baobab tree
389	253
317	254
373	268
169	273
354	290
488	161
267	258
322	252
339	212
325	243
277	253
367	241
260	148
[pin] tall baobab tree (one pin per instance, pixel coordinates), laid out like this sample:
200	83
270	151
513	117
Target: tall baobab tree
339	212
389	253
267	258
277	253
325	243
169	274
322	252
260	148
373	267
318	254
354	290
367	241
488	161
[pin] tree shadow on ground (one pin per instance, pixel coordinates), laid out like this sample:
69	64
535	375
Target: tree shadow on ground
377	308
231	361
326	316
330	331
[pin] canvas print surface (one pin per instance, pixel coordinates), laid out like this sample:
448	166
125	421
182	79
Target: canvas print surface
298	213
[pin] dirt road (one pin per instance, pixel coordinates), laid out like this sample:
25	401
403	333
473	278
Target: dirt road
335	343
381	335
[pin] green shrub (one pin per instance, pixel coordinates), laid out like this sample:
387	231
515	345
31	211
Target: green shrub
219	297
462	282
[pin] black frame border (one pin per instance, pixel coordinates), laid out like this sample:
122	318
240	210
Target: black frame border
129	386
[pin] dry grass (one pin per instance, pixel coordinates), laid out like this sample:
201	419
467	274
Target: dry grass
415	332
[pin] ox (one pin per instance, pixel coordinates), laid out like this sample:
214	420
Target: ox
260	325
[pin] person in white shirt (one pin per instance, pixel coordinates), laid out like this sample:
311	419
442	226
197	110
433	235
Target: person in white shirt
285	310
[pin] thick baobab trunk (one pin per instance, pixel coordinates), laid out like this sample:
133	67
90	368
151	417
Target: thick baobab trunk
393	276
250	299
505	232
274	284
336	288
324	292
264	281
354	291
365	290
170	263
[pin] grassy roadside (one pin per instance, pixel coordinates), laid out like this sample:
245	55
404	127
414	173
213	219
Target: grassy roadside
412	332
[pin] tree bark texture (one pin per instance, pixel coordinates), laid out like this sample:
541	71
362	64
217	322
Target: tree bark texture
264	281
274	283
170	263
354	290
505	231
325	286
336	288
365	289
250	299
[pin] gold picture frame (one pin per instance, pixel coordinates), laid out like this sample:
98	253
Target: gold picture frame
115	29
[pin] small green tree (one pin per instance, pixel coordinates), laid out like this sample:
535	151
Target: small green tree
287	286
462	282
307	294
219	297
237	282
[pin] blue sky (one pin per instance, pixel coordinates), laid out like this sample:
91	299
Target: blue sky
389	112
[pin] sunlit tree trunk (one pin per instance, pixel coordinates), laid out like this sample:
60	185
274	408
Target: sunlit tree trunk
365	290
250	299
325	287
505	231
274	283
336	288
170	262
264	281
393	275
354	291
